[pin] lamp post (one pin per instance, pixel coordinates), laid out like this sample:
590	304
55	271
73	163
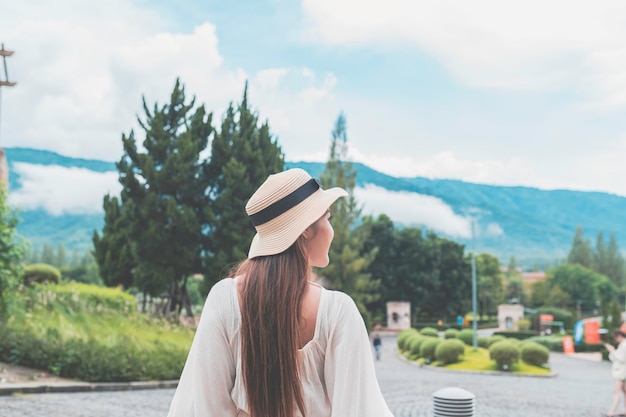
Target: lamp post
474	313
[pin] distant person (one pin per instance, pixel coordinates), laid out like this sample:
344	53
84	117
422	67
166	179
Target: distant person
378	344
618	369
271	343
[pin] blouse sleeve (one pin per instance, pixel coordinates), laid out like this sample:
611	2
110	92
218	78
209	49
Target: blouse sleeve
619	354
349	372
208	376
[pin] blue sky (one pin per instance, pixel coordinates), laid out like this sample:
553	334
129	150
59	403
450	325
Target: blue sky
532	93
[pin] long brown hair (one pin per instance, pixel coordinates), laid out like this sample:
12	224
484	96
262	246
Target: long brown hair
272	294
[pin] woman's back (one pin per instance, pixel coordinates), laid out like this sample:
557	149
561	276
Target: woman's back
336	366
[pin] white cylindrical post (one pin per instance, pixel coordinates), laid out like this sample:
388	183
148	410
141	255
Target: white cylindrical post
453	401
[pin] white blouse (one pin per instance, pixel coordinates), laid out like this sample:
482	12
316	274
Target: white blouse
336	366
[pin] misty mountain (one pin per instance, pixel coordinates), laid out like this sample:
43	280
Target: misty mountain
530	223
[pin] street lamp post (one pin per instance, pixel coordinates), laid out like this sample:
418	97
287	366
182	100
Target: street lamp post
474	313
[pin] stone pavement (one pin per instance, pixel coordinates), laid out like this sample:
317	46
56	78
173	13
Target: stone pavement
581	388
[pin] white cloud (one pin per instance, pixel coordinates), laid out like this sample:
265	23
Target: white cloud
412	208
518	45
60	190
82	71
494	229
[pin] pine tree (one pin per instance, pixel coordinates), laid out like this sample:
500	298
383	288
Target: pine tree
60	261
348	263
112	250
581	250
74	262
163	199
47	254
243	155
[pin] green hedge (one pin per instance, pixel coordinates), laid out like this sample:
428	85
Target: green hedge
466	336
88	360
84	297
450	334
429	331
520	334
41	274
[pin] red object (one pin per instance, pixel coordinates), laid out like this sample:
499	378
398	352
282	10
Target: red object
568	344
546	318
592	335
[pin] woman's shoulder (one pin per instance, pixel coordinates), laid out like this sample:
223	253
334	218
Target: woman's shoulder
339	303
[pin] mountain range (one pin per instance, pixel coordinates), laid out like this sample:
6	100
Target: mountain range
529	223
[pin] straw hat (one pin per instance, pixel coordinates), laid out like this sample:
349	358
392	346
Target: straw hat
283	207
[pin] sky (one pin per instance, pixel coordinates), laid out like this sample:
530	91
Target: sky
526	93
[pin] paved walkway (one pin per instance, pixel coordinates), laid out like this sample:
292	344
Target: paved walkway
581	389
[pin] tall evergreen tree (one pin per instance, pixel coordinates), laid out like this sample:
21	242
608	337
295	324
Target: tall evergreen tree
75	260
615	269
47	254
489	282
243	155
348	261
112	250
60	260
581	252
163	197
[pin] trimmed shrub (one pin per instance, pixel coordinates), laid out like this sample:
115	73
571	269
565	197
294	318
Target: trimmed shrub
466	336
448	351
416	344
429	331
553	343
41	274
404	337
523	325
428	347
521	335
494	339
483	342
534	354
505	353
451	334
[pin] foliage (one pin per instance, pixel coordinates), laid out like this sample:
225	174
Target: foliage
415	345
535	354
428	347
404	336
490	284
163	196
91	333
349	259
466	336
429	331
478	360
243	154
494	339
11	250
580	253
449	351
451	334
41	274
85	274
505	353
523	324
581	285
517	335
483	342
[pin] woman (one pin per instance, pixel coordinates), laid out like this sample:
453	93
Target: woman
618	369
270	343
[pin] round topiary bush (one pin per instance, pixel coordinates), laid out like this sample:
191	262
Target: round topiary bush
505	354
428	347
449	351
403	337
450	334
466	336
494	339
416	344
429	331
535	354
41	274
409	340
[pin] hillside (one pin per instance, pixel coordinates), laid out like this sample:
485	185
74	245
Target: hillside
536	224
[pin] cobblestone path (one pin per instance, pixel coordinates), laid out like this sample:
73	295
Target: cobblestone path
581	389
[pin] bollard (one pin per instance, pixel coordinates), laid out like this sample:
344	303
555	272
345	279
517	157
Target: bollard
452	401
